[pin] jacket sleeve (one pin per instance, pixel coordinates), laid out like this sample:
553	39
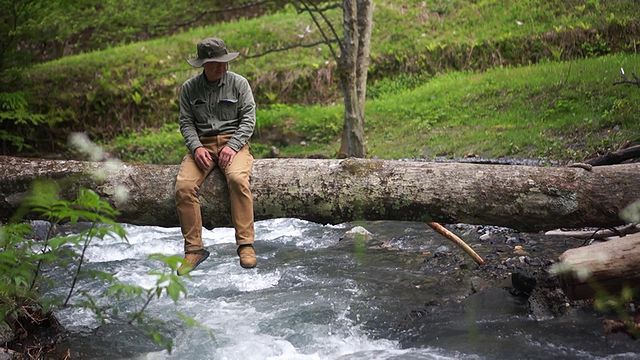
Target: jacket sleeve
187	122
246	116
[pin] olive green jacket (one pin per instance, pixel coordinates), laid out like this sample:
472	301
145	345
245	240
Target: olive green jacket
225	107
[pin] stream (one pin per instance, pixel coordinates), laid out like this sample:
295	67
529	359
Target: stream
316	294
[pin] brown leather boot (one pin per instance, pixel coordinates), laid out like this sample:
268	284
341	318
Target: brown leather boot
247	256
191	261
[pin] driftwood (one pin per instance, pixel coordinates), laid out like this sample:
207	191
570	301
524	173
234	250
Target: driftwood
626	80
615	157
598	234
602	268
456	240
526	198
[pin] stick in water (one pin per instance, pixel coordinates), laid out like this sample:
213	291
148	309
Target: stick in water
453	237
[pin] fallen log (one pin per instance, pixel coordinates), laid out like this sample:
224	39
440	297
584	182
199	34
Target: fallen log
602	268
526	198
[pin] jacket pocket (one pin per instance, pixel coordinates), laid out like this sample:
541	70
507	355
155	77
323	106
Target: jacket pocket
200	110
228	109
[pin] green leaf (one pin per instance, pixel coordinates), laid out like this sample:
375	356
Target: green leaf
632	213
173	261
59	241
121	290
174	289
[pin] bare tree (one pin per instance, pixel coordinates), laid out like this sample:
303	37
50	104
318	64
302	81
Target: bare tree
353	64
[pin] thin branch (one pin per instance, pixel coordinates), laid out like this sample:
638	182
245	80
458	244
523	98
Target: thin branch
288	47
324	36
150	293
631	82
626	80
329	7
75	278
202	14
172	27
44	250
336	5
326	20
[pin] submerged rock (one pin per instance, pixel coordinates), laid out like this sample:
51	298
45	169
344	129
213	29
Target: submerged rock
40	229
442	250
357	233
548	301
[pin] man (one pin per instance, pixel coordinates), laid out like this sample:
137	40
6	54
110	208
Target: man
217	118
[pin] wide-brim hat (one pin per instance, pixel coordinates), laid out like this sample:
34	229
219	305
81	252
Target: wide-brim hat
212	50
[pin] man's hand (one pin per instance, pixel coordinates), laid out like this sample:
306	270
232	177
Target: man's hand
225	157
203	158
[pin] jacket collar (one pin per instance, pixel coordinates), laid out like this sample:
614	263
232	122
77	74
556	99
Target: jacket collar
223	80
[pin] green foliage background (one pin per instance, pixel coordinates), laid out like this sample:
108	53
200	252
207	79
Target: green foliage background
123	92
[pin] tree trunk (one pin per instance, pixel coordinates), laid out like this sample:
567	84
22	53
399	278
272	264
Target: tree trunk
352	63
333	191
365	24
601	269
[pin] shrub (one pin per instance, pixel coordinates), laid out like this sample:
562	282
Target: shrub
23	281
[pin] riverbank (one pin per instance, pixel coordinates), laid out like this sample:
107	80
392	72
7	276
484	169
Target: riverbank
507	297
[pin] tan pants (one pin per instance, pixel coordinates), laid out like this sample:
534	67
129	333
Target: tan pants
189	179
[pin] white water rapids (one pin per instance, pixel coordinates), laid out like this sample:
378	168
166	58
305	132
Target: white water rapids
312	296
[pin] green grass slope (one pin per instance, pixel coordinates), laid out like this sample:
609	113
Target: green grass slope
126	89
565	110
555	110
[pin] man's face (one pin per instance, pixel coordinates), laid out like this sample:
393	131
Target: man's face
214	70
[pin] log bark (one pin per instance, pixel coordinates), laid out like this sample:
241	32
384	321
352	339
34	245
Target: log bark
525	198
601	268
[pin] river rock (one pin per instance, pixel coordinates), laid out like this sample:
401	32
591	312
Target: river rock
8	354
358	233
478	284
442	250
519	251
274	152
547	302
40	229
523	282
513	240
6	333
